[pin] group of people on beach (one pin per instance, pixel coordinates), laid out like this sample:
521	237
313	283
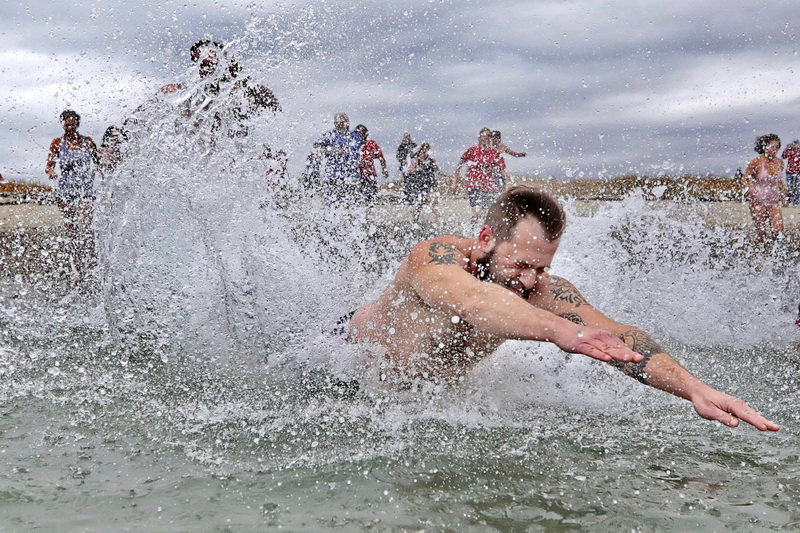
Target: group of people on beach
342	167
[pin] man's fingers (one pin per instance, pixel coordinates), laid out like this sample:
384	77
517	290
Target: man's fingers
730	413
749	415
596	353
729	420
618	351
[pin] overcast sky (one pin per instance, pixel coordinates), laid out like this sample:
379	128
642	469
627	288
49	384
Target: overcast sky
587	88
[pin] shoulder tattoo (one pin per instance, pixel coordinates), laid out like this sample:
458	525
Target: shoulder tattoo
639	342
442	253
564	291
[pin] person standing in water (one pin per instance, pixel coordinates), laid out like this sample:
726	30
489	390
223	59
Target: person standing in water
792	156
341	150
765	190
76	156
370	151
501	175
420	186
455	300
404	150
219	77
485	164
110	153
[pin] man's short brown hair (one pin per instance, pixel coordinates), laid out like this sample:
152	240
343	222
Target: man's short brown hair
521	201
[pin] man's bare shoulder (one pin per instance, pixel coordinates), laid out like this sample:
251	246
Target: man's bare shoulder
441	250
432	254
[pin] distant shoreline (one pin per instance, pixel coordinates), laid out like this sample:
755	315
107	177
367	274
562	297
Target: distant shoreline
31	231
684	188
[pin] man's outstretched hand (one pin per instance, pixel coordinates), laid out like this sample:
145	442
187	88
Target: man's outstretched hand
594	342
712	404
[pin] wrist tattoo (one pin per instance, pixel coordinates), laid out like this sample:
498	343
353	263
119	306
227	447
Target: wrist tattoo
564	291
442	253
640	342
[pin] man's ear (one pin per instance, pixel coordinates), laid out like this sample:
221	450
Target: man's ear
486	240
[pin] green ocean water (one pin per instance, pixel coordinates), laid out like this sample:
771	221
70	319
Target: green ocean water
101	436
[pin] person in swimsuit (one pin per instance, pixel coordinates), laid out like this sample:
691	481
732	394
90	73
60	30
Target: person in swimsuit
765	190
76	156
454	301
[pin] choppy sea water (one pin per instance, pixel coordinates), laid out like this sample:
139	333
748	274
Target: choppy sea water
106	428
193	384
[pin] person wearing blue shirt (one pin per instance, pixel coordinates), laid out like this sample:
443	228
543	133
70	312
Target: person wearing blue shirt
341	150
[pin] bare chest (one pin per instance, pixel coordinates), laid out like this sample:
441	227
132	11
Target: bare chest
411	327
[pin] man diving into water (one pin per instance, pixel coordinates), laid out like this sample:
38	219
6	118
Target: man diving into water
454	301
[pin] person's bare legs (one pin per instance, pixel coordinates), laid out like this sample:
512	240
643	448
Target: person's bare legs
758	212
776	219
80	242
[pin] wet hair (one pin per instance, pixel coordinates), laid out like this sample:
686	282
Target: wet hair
519	202
194	51
361	129
763	141
485	132
113	134
70	114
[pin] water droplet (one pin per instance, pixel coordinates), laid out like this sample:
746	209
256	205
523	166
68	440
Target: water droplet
580	333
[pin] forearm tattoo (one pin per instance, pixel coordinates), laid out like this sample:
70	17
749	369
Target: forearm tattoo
573	317
639	342
564	291
442	253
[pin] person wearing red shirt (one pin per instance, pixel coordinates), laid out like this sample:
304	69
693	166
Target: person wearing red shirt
792	156
486	164
370	151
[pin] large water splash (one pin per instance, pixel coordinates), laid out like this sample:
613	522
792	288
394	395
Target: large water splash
193	252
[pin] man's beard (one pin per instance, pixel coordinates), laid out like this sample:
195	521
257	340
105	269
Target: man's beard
484	274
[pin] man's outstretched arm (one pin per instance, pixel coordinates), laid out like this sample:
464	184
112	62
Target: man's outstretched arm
435	271
657	368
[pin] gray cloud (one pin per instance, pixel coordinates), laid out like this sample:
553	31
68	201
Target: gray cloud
585	87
